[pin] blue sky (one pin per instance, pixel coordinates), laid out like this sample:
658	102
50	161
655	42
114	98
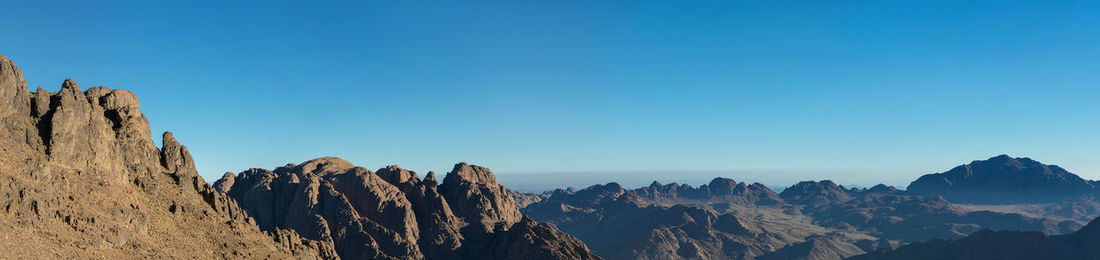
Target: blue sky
859	91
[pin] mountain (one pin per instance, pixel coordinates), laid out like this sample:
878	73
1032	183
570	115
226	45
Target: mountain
80	177
393	214
989	244
814	193
1003	180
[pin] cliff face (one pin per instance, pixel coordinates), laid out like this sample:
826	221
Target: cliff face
393	214
81	177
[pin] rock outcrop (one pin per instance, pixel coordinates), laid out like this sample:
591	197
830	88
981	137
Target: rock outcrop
392	214
80	177
1003	180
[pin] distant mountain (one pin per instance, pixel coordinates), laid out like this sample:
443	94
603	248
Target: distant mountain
1003	180
814	193
624	229
1004	245
393	214
718	190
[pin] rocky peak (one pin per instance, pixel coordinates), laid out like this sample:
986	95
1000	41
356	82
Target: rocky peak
475	196
721	185
395	175
225	183
173	155
464	172
13	89
323	165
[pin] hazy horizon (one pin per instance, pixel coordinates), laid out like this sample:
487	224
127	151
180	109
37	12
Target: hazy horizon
537	182
854	92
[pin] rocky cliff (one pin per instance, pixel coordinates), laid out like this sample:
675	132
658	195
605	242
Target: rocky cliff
393	214
80	177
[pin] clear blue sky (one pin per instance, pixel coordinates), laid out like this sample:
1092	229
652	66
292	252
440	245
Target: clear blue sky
863	91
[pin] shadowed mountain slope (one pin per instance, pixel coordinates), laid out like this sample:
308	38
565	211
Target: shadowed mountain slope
1003	180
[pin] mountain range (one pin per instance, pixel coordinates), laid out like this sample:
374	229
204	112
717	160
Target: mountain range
80	177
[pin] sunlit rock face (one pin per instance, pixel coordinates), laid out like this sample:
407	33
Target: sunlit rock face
80	177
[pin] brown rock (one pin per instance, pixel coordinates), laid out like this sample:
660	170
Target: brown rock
225	183
476	196
80	177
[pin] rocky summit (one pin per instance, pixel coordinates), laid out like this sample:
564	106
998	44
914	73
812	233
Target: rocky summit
393	214
80	177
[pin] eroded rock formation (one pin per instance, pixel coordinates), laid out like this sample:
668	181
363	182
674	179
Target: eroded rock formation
80	177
